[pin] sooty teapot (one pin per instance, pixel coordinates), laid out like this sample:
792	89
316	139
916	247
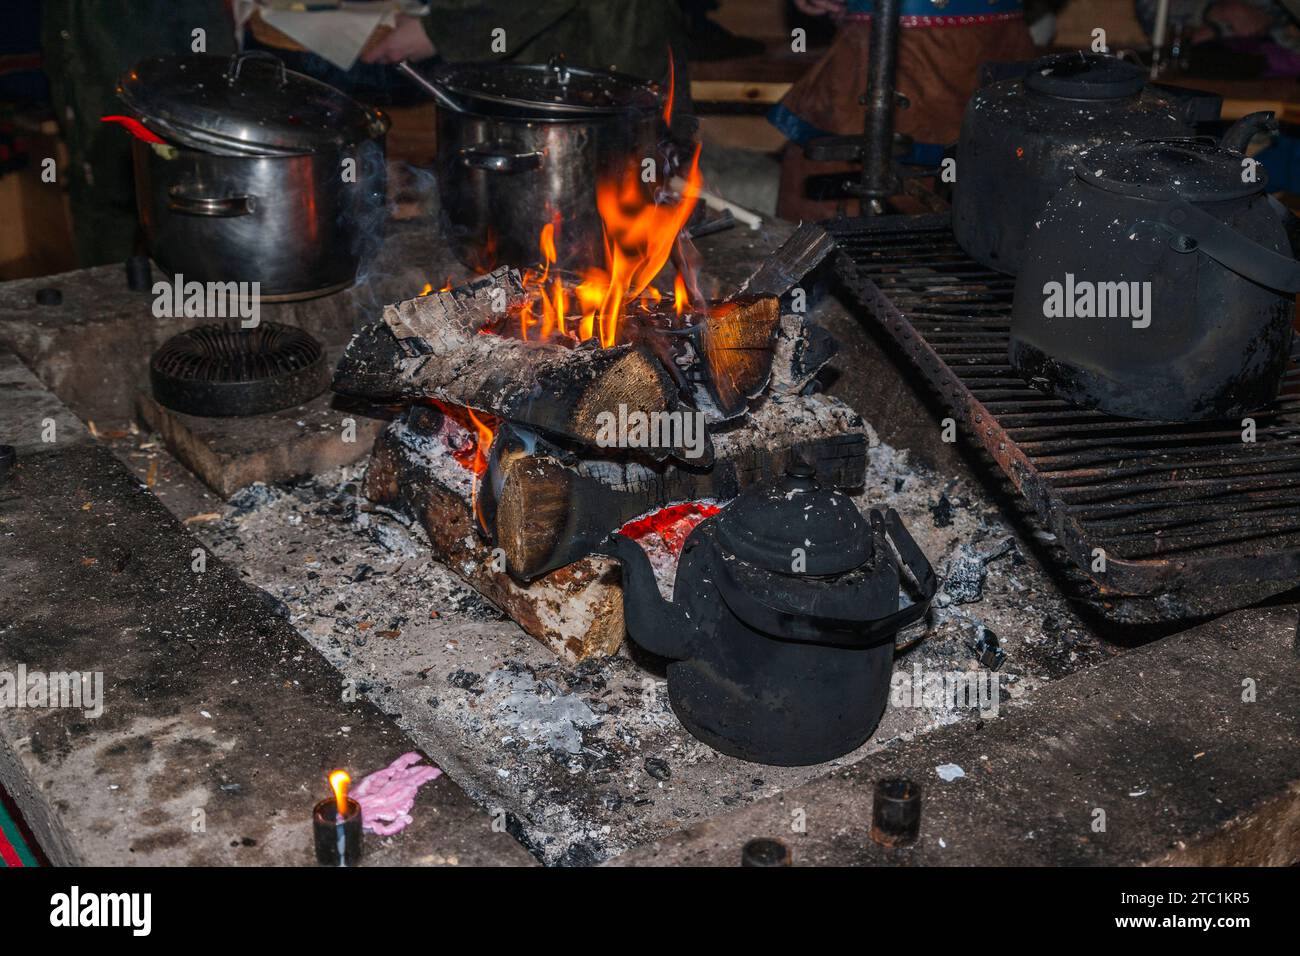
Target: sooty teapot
780	634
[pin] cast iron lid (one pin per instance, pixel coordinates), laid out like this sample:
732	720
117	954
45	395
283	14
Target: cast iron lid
1085	76
551	90
245	105
1192	169
765	525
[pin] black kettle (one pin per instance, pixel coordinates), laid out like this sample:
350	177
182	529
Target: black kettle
780	634
1024	127
1160	282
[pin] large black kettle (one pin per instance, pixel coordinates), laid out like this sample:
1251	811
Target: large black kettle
780	634
1022	130
1160	283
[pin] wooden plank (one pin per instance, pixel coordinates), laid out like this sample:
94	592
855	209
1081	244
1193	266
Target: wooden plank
738	91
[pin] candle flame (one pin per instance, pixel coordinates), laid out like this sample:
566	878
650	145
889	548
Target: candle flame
339	781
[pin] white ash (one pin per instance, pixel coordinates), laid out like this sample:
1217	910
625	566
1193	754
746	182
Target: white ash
536	711
502	715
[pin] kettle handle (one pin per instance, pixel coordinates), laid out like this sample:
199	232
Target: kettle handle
1240	133
917	565
1194	230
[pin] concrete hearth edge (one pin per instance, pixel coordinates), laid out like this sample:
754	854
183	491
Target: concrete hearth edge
220	721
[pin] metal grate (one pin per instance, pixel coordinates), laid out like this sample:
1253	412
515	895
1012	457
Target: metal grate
1191	520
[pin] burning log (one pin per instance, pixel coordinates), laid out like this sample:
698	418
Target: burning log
576	611
736	344
545	508
434	347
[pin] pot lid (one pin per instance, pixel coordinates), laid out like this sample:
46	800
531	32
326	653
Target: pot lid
551	90
248	104
1190	169
1085	76
769	525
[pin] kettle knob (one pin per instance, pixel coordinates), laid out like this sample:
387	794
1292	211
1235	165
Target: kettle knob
800	475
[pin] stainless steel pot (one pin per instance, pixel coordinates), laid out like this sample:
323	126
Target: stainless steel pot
266	176
523	146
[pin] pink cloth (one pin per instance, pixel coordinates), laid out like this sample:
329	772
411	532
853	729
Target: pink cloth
386	796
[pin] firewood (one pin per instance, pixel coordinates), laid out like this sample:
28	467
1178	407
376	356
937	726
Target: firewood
433	347
780	272
802	349
576	611
736	343
546	508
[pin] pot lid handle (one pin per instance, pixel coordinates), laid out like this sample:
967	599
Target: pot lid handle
1194	229
237	65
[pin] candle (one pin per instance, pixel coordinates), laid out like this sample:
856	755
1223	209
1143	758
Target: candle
336	825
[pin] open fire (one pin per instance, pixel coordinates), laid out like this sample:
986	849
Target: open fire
640	238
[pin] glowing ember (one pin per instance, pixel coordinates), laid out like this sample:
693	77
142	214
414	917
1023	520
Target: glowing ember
482	430
339	781
672	524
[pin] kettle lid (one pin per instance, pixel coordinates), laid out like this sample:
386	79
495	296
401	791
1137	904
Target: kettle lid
1085	76
1190	169
767	523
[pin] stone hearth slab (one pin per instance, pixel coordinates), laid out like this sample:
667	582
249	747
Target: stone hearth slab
232	453
1161	739
215	709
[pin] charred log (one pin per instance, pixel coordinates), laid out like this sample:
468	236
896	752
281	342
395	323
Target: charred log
432	347
546	508
780	272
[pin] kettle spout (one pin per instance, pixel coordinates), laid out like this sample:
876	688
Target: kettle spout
660	626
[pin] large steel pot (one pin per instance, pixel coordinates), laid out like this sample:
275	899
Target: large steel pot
1160	283
265	175
1023	129
521	146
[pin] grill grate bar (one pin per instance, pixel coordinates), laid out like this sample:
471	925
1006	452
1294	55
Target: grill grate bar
1193	519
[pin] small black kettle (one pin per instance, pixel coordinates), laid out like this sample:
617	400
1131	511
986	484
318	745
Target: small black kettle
780	634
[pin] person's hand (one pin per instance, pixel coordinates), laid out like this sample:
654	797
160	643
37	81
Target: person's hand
817	8
406	41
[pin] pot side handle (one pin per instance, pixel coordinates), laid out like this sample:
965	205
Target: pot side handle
221	207
1195	230
499	159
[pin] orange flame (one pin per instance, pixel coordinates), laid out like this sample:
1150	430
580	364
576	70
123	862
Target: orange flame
428	287
639	238
681	301
339	781
482	430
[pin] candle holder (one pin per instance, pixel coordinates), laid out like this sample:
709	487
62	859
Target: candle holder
338	837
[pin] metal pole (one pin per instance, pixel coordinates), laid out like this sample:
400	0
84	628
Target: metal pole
878	158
